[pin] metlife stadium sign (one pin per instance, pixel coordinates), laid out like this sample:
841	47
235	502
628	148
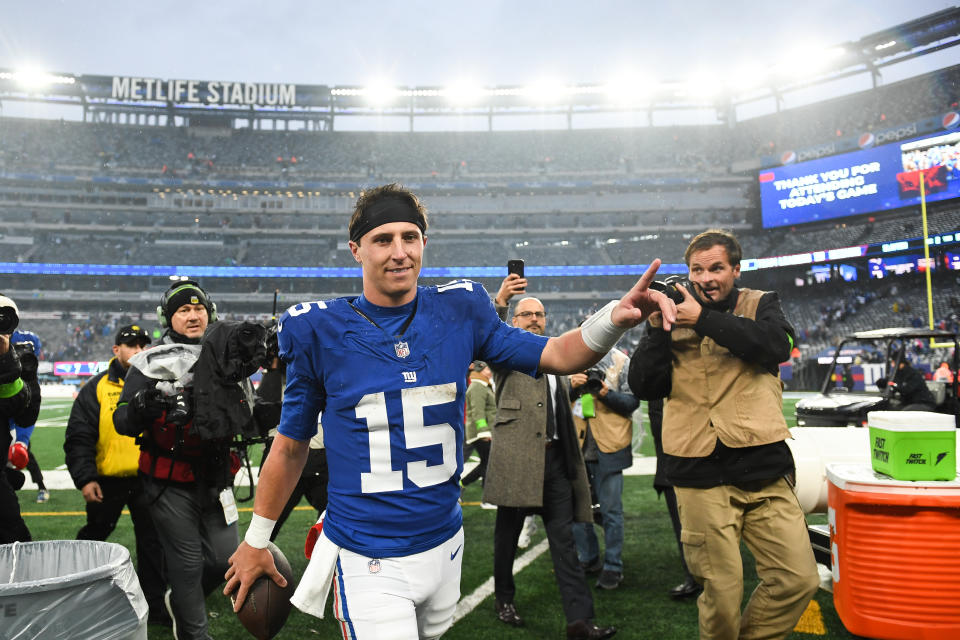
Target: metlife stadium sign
199	92
874	179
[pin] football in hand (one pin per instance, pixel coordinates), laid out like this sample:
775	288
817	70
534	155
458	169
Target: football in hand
267	606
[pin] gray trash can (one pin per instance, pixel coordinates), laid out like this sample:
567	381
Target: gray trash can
70	589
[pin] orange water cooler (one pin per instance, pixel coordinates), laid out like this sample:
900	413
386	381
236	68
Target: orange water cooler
895	554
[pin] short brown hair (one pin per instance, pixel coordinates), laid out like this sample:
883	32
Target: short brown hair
393	190
711	238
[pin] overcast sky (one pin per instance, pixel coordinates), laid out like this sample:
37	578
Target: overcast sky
427	43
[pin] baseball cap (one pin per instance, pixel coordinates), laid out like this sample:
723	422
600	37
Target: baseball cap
132	334
478	365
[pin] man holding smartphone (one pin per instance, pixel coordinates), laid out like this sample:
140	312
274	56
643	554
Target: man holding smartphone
536	466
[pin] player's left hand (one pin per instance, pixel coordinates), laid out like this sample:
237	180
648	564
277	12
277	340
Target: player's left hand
640	302
246	565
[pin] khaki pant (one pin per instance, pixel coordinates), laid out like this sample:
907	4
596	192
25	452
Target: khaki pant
771	523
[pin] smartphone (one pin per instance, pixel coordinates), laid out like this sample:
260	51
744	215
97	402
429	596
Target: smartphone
515	266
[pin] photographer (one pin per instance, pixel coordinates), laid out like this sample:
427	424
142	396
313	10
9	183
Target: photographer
28	348
723	443
603	412
103	466
19	406
185	400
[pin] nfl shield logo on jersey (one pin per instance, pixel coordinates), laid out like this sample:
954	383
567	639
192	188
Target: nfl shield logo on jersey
373	566
402	349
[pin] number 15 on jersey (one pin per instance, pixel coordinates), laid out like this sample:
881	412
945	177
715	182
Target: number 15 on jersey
373	409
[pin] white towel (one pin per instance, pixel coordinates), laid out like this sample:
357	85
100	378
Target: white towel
314	588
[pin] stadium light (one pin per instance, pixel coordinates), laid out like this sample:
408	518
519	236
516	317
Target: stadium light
463	93
380	93
747	77
808	60
702	86
33	78
629	89
546	91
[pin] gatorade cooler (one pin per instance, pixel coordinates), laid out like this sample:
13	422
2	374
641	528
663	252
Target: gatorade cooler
895	553
913	445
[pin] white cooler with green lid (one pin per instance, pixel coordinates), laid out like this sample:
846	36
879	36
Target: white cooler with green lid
913	445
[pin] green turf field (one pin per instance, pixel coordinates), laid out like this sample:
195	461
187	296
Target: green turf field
640	608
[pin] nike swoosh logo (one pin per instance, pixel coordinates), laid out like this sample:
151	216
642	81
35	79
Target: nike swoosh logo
454	554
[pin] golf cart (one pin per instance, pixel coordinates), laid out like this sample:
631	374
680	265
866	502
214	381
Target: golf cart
842	406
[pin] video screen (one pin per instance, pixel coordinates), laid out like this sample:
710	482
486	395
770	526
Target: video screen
898	265
877	179
951	260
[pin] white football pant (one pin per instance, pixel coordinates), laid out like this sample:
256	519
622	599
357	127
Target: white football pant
398	598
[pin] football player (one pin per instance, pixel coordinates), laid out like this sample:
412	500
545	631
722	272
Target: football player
386	369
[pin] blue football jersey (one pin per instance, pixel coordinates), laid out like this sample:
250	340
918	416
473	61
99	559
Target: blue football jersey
393	409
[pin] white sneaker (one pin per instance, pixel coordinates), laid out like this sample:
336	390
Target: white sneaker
526	534
487	505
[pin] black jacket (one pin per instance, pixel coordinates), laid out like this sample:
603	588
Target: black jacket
912	387
83	427
186	453
19	397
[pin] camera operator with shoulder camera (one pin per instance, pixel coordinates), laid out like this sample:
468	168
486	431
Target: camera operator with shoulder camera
186	400
19	406
724	448
603	412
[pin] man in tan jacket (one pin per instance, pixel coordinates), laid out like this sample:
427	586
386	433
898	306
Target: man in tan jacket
723	443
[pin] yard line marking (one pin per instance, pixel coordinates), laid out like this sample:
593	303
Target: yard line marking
469	603
52	422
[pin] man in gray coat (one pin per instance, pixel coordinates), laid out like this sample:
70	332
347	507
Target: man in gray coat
536	464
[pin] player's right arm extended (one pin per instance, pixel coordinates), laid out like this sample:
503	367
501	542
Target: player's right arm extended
278	476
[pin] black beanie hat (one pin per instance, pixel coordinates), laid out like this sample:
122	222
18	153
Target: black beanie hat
186	293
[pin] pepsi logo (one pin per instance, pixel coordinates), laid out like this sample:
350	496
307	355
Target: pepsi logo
951	120
866	140
788	157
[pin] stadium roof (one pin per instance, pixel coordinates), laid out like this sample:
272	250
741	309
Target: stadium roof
222	100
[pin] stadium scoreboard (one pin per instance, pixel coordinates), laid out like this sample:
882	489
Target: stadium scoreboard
867	181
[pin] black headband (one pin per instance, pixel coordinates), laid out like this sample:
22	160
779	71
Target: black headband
391	209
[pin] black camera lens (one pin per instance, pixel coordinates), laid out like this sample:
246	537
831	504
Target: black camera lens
9	320
669	288
594	381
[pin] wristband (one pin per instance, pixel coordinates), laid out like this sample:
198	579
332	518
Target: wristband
598	331
258	533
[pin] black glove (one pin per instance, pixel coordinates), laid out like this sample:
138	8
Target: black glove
148	404
180	408
28	361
